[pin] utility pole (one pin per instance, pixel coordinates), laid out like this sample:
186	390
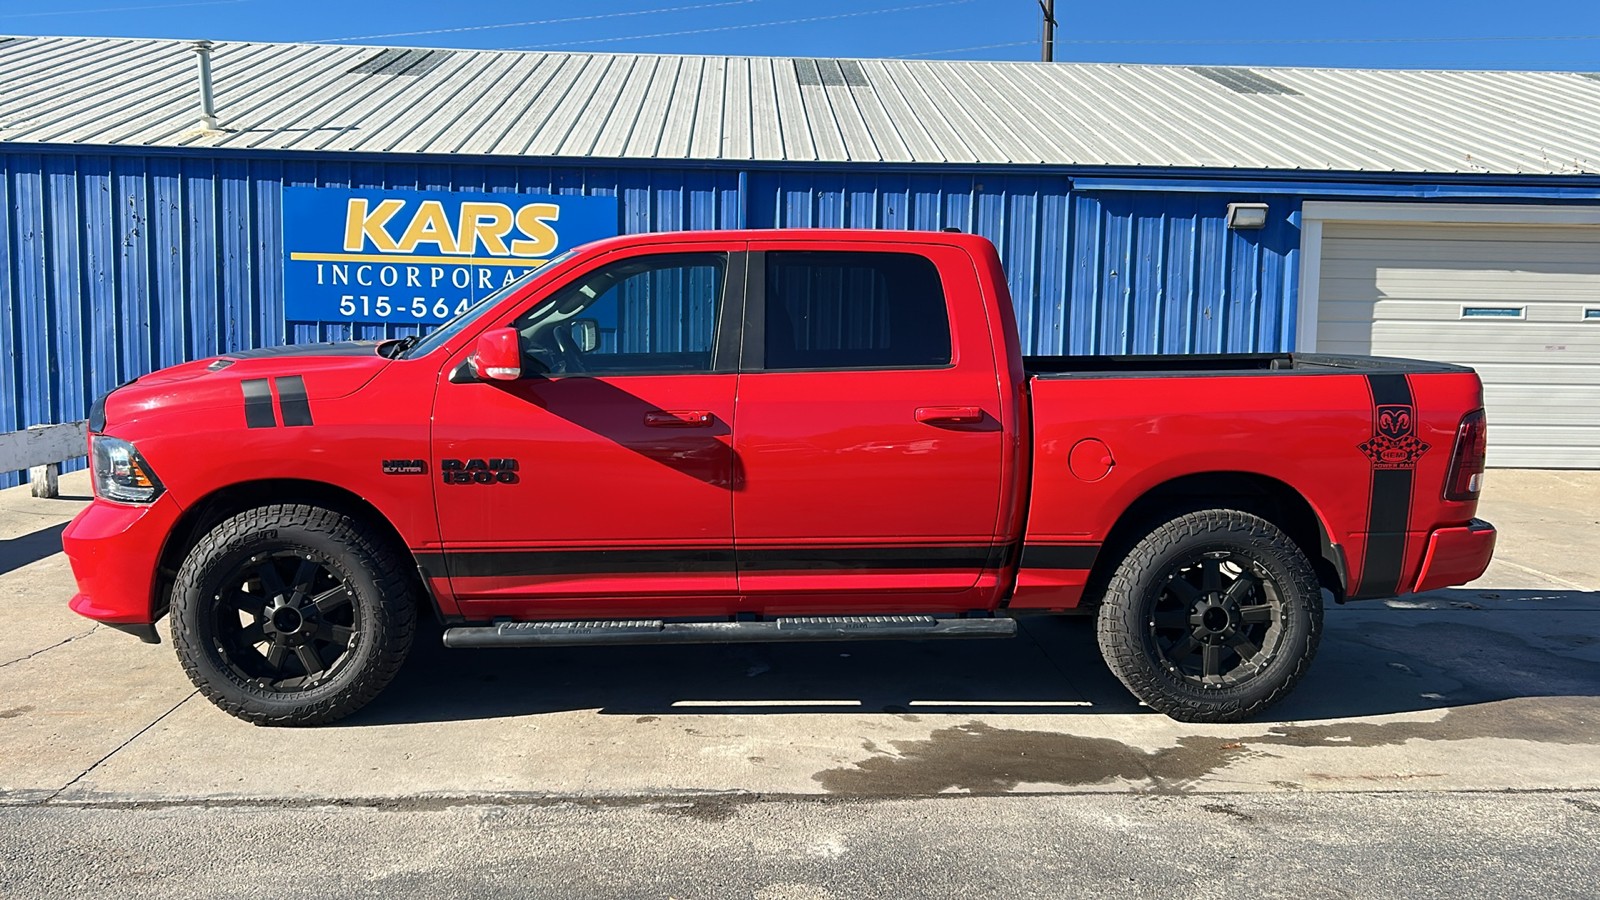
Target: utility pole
1048	7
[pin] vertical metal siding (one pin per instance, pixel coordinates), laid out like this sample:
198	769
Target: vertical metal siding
1162	273
36	338
117	265
11	326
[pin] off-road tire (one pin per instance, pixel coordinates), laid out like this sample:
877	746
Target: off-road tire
1126	621
381	612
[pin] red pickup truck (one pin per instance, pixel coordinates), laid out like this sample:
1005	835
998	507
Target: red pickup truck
765	436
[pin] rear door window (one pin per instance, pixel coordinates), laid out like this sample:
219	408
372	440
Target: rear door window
854	310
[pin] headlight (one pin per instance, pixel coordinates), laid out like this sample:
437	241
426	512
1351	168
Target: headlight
120	473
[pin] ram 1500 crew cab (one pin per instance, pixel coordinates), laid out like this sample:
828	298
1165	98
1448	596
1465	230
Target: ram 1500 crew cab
765	436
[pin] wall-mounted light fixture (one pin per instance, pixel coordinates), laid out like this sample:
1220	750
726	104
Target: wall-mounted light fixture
1247	215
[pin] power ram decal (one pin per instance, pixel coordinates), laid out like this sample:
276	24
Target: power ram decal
1394	445
1394	449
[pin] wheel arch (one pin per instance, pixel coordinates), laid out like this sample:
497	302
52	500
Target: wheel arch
204	514
1250	492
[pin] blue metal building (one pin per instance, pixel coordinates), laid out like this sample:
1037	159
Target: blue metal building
136	236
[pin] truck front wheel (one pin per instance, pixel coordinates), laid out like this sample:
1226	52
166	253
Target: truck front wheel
292	615
1212	617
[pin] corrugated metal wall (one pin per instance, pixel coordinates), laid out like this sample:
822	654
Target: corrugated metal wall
1116	272
120	264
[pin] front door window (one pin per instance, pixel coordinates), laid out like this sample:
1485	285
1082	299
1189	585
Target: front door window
654	314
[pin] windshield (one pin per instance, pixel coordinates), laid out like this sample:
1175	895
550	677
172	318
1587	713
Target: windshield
455	326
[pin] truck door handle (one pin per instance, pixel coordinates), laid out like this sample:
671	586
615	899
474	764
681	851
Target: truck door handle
950	415
678	419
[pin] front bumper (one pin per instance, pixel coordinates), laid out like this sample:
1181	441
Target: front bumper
114	549
1456	555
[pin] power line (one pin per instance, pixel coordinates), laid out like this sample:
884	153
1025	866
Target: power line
1154	41
964	49
637	12
640	37
1425	40
117	9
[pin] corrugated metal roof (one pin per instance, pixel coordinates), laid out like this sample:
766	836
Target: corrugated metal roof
312	97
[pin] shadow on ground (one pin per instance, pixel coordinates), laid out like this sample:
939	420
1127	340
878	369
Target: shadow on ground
30	548
1374	660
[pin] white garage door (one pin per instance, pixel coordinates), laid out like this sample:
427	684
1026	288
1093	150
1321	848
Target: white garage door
1519	303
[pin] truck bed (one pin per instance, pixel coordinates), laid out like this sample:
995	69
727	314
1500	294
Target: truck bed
1104	436
1049	367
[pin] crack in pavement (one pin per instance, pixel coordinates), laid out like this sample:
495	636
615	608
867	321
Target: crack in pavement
79	777
62	643
707	806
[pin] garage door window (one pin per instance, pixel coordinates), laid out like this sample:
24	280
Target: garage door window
1494	312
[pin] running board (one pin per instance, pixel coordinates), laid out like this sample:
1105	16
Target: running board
655	631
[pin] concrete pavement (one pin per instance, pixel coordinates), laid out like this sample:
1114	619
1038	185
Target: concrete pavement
1446	696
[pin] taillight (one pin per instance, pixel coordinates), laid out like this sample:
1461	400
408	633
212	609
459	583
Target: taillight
1466	464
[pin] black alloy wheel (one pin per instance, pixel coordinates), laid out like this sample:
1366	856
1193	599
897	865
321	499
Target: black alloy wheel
285	621
1219	619
1212	617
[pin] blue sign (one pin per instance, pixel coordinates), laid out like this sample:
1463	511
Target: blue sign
420	257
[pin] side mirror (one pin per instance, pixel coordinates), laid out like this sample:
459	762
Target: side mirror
498	356
586	334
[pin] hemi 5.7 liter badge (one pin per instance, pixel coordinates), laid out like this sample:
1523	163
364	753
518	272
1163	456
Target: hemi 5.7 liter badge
405	467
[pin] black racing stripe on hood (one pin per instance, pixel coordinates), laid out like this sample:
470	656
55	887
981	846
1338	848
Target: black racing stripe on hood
337	348
258	404
292	401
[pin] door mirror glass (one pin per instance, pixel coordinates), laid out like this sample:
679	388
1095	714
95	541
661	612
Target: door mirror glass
497	356
586	334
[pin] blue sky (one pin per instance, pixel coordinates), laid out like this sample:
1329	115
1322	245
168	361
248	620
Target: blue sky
1477	34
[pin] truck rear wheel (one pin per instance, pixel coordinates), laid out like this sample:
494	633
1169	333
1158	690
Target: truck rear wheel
292	615
1212	617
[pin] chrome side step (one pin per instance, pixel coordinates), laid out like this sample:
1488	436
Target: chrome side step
792	628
